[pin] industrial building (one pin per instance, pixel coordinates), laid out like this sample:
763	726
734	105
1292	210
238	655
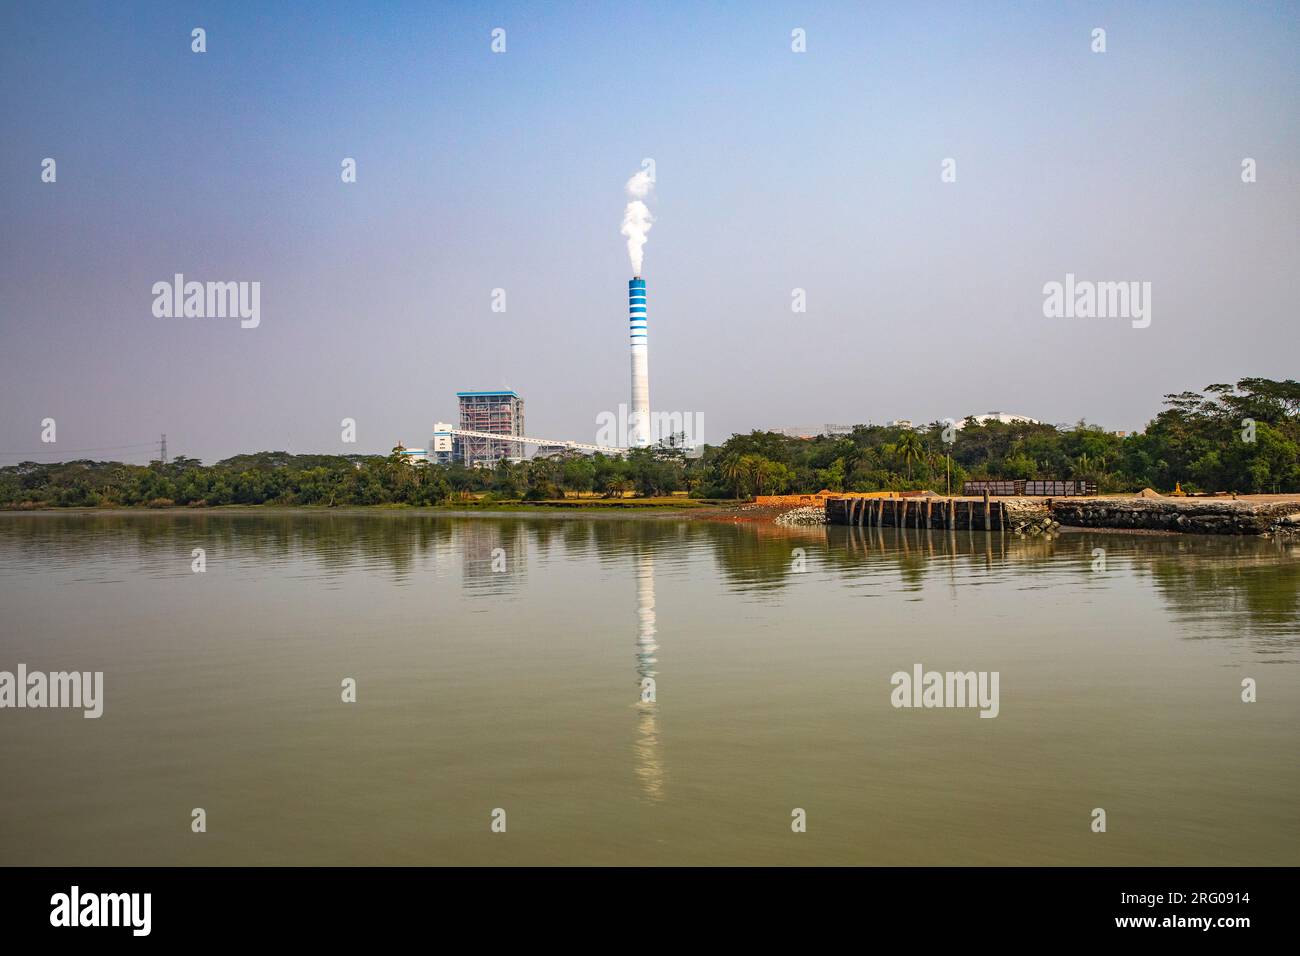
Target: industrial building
483	417
412	456
487	413
442	446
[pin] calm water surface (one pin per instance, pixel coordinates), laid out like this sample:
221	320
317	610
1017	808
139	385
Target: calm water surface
519	689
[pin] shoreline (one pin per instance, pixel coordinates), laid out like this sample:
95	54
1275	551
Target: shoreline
1253	515
540	511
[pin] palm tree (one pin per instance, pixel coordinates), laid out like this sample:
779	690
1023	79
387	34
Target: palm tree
909	449
752	467
853	459
617	487
733	471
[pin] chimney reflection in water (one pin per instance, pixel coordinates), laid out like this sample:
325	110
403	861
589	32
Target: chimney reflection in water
648	757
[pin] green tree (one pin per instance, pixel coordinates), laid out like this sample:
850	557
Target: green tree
910	449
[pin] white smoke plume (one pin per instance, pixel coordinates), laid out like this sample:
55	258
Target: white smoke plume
637	219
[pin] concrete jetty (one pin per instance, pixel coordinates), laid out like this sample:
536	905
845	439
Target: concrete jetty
936	513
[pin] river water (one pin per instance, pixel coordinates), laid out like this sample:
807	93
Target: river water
500	664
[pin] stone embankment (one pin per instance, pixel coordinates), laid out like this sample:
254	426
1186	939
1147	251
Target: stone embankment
1034	516
1029	516
1287	524
809	515
1188	515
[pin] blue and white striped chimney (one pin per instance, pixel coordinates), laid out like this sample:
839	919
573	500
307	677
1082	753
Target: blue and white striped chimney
639	417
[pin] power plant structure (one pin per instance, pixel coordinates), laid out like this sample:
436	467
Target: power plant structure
491	429
489	414
492	422
638	344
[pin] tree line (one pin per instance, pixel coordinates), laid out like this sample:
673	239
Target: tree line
1243	437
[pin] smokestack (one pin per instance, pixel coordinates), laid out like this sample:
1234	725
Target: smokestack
639	417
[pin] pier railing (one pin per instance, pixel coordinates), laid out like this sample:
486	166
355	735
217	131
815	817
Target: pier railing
1040	487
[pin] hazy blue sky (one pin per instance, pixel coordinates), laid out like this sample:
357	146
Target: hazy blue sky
776	170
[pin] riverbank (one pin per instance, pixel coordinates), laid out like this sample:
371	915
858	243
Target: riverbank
630	508
1261	514
1246	515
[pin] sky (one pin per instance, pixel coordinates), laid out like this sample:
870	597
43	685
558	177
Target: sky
775	171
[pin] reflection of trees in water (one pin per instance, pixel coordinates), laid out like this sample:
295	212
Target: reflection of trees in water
1214	585
752	559
542	533
575	537
1254	583
337	542
1203	579
759	557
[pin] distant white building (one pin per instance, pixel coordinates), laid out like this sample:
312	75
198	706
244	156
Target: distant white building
1003	417
412	455
442	446
814	431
